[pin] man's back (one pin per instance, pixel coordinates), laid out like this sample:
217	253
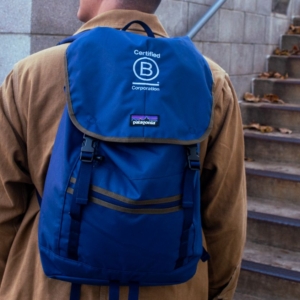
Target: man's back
32	101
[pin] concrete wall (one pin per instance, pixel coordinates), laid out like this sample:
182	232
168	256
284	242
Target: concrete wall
238	37
27	26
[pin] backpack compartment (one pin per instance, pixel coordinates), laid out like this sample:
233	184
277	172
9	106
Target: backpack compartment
134	217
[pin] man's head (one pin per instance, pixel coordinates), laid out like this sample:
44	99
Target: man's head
91	8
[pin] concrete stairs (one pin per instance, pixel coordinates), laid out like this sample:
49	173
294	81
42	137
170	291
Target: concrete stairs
271	262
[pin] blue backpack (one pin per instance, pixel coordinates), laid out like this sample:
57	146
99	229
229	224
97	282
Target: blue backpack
121	202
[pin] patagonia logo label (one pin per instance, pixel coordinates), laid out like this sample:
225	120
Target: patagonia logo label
144	120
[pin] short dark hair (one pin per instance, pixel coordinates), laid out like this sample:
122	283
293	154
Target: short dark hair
148	6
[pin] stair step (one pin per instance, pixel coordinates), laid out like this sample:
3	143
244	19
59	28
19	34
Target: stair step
289	40
273	181
284	65
277	115
274	207
288	89
241	296
296	21
274	231
275	257
272	147
267	282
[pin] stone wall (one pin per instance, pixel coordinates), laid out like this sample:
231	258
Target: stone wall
238	37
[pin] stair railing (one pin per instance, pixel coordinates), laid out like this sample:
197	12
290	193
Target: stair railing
214	8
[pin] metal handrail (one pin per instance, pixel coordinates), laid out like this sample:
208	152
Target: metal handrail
214	8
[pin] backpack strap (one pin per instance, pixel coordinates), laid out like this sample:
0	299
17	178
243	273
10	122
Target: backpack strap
133	291
75	291
188	200
114	291
147	29
80	195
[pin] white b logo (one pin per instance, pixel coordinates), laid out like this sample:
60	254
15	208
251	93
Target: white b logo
145	69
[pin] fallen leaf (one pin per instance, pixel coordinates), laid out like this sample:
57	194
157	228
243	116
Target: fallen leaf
251	98
258	127
283	52
265	75
271	98
295	50
285	130
293	30
266	129
249	159
252	126
276	75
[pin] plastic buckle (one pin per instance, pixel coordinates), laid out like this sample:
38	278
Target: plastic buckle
87	149
193	157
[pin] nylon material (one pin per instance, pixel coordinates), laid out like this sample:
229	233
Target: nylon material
197	246
161	202
139	189
55	187
133	202
116	124
134	236
65	269
127	165
65	228
129	159
149	211
174	201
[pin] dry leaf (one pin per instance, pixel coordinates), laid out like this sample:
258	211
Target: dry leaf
271	98
284	52
249	159
276	75
258	127
251	98
285	130
293	30
266	129
295	50
252	126
265	75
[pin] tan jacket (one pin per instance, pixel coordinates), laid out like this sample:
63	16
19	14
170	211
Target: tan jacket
31	103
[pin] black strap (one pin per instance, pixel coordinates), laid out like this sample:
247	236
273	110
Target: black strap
80	195
114	290
144	25
133	291
75	291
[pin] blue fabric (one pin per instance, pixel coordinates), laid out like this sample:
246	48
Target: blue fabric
151	76
133	291
132	218
75	291
114	291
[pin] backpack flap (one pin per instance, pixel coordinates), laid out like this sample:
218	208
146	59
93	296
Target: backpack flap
124	87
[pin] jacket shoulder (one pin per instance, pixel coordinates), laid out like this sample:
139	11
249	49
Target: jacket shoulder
43	60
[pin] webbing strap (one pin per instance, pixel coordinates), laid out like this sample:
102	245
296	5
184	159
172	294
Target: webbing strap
80	197
187	205
114	290
75	291
133	291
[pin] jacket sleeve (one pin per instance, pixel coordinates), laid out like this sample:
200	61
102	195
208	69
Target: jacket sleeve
15	183
224	210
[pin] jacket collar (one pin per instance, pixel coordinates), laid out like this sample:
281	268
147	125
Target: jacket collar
119	18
